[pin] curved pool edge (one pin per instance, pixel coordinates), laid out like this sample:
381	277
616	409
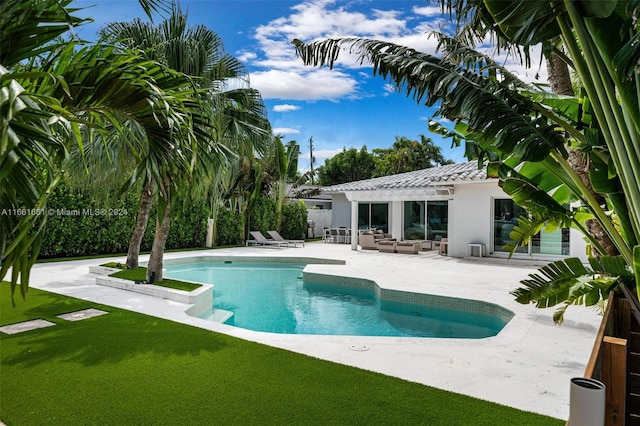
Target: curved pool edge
424	300
381	294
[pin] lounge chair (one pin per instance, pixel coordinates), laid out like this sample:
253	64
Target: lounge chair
275	236
261	240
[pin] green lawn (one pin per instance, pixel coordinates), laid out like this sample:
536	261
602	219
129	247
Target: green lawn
140	274
126	368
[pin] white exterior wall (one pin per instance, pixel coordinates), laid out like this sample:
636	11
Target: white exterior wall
577	245
321	219
340	211
470	218
395	218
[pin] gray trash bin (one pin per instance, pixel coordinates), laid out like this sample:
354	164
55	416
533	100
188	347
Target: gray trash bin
587	402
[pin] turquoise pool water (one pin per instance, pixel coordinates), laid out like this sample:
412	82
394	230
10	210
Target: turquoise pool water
274	298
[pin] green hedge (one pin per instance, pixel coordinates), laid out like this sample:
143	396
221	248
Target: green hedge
294	220
263	216
229	228
81	225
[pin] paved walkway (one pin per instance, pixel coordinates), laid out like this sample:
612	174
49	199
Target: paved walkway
527	366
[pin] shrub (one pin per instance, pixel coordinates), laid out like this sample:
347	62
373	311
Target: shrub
263	215
82	224
189	224
229	227
294	220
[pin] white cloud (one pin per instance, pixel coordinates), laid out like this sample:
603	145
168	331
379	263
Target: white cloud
285	108
428	11
389	88
246	56
285	77
311	85
284	131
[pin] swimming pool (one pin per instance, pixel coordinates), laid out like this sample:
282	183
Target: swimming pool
274	297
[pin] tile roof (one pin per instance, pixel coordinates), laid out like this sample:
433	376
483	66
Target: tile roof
435	176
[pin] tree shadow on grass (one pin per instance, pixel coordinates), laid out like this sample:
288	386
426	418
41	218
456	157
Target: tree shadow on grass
111	338
40	304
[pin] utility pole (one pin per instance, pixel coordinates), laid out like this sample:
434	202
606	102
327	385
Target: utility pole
311	159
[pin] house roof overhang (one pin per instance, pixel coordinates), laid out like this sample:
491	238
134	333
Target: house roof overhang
401	194
432	183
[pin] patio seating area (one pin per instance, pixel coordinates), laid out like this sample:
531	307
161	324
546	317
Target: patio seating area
385	243
339	235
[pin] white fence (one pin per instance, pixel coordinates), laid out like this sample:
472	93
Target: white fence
321	218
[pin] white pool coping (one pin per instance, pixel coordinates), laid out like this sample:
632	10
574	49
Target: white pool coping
528	365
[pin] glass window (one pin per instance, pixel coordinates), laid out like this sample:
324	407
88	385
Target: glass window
506	213
437	220
414	220
380	216
363	216
373	215
426	220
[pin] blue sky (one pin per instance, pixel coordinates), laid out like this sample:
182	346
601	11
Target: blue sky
341	108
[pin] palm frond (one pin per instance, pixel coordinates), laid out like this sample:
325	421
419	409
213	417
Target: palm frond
565	281
28	27
501	115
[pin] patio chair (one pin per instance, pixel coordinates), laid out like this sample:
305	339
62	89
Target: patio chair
333	234
342	235
261	240
275	236
444	247
326	235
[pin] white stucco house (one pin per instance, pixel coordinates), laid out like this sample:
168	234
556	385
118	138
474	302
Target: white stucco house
455	201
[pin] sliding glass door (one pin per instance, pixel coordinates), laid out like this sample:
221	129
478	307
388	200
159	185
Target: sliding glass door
373	215
425	220
437	220
505	218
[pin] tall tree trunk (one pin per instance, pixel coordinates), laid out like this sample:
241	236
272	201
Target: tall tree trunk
154	267
146	199
560	81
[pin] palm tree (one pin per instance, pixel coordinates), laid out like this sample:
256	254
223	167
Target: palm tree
55	90
281	169
523	132
407	155
235	114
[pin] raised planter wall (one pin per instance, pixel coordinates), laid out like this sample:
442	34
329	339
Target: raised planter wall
201	298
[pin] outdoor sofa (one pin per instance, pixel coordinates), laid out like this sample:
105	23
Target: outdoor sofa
387	246
368	240
408	246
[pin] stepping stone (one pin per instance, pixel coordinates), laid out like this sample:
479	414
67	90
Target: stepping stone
21	327
83	314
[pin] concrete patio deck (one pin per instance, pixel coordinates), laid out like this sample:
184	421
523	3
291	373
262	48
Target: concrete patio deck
527	366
